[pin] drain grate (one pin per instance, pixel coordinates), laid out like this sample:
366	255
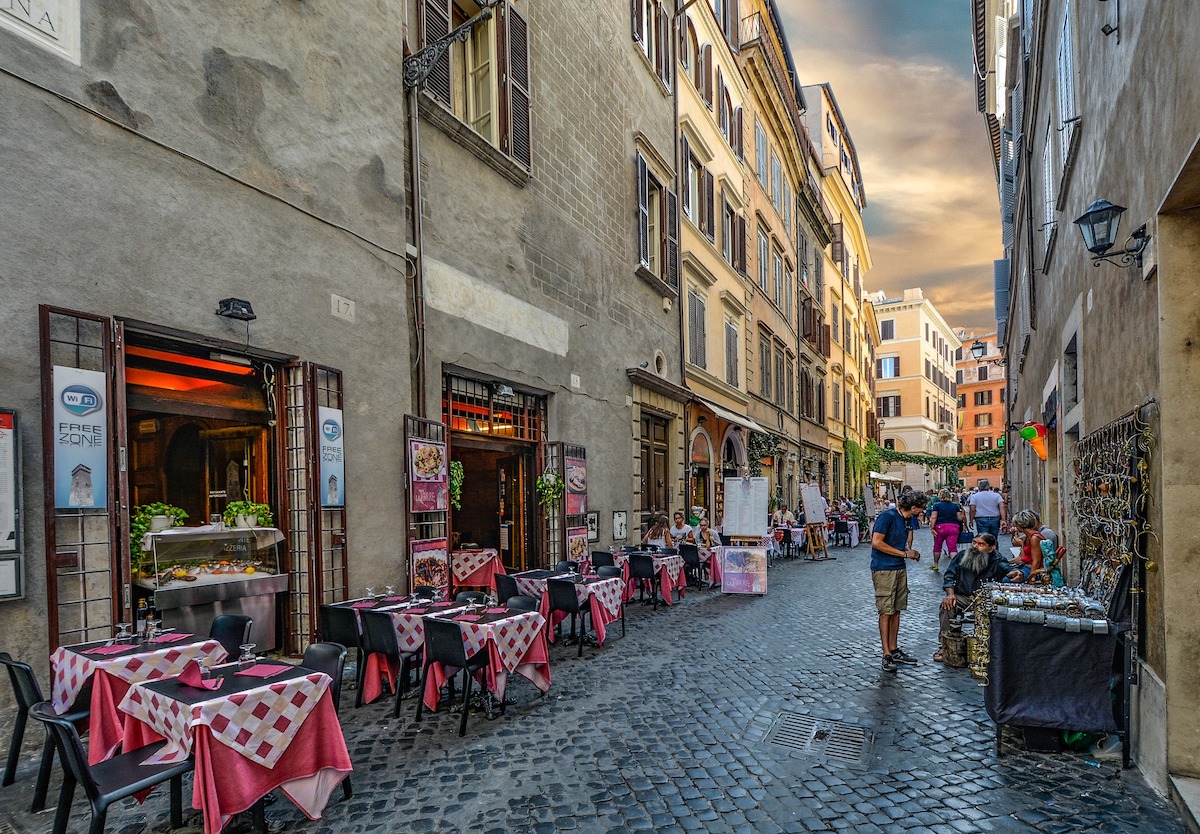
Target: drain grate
833	741
7	827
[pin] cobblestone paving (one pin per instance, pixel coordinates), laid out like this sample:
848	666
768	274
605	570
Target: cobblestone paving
666	730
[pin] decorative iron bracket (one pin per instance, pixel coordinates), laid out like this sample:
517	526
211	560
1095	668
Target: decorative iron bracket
1131	254
418	65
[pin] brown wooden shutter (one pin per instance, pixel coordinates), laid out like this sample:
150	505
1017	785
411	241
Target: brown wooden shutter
685	180
643	217
635	12
516	81
707	65
739	131
672	240
722	113
709	199
435	24
733	23
740	240
664	50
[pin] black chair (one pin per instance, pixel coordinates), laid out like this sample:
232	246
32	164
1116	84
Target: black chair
28	693
613	572
602	559
561	593
424	592
121	776
567	565
330	658
641	569
841	531
477	597
692	566
340	625
231	631
506	587
444	644
379	636
522	603
788	543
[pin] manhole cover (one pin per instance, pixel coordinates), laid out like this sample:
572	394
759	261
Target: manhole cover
833	741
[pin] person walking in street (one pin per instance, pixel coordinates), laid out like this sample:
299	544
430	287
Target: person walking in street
988	511
889	575
971	567
946	520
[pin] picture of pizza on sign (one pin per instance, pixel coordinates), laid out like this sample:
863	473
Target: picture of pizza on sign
429	485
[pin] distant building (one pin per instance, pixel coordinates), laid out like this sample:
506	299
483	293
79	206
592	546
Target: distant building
980	422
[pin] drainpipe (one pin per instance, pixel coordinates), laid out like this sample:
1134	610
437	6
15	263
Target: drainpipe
677	19
414	170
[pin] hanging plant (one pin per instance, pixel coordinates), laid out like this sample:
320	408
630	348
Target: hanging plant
550	488
950	465
456	481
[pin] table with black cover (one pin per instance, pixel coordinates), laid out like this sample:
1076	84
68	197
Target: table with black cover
1044	677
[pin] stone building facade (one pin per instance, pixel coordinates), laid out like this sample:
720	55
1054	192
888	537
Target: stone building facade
980	417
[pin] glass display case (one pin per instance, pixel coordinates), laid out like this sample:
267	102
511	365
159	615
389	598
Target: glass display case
197	573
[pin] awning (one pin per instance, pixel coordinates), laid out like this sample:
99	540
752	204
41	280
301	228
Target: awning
730	417
879	476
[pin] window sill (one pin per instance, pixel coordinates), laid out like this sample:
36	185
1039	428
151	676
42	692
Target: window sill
434	112
664	289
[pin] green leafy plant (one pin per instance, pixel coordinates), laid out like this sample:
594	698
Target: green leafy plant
456	482
236	508
761	446
550	489
139	526
949	465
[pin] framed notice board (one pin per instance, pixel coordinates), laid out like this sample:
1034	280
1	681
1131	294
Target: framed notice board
12	560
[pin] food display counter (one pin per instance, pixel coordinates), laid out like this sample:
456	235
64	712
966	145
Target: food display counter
197	573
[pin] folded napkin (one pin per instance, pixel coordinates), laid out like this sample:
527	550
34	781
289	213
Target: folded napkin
395	599
363	604
263	670
499	610
190	676
468	618
115	649
441	605
415	610
170	638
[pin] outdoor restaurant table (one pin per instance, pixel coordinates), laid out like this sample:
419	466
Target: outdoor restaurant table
709	556
515	642
250	737
112	670
602	596
670	571
476	567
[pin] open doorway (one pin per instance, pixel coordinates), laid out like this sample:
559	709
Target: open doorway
495	512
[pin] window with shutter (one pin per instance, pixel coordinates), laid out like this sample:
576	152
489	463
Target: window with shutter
764	261
638	16
739	130
764	366
740	241
696	334
643	207
887	330
777	276
516	80
710	220
707	55
672	240
664	52
731	354
685	182
787	292
760	153
780	378
837	402
791	385
435	23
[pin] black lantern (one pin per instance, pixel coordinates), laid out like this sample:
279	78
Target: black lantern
1099	225
978	350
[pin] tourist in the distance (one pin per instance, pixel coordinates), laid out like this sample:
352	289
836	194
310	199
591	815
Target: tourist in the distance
657	534
946	520
987	511
889	574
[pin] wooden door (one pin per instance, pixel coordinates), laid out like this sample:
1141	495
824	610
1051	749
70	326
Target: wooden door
510	485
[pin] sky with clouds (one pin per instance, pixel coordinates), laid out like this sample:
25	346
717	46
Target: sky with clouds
903	76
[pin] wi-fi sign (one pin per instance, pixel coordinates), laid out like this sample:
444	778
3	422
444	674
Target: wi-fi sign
80	400
331	430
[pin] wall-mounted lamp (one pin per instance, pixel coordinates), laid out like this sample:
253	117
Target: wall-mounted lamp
979	350
502	390
235	308
701	420
1099	228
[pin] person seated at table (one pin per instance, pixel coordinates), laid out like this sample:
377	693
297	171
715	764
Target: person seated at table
945	519
1026	524
969	568
703	536
657	534
679	530
782	517
1046	533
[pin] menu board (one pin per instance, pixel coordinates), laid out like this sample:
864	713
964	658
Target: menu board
814	504
743	570
746	513
429	485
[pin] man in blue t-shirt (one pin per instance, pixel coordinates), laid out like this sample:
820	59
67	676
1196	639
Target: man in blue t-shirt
889	574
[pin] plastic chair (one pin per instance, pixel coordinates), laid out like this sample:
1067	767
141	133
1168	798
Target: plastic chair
521	603
231	631
561	593
641	570
506	587
788	543
28	693
477	597
602	559
379	637
444	644
330	658
613	572
121	776
692	566
340	625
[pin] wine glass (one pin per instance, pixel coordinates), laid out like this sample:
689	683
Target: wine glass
390	591
205	668
247	659
370	592
124	632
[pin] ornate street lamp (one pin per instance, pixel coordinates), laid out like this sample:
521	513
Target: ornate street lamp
979	350
1099	225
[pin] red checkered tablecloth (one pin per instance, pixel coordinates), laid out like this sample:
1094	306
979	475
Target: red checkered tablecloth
410	637
476	567
515	644
670	572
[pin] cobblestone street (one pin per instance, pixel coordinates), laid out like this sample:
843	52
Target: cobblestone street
665	730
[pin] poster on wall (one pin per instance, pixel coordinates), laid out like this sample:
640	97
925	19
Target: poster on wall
10	534
620	525
743	570
333	461
576	486
430	486
80	439
428	564
577	543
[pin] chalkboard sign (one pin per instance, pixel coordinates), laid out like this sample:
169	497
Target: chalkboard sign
814	504
745	508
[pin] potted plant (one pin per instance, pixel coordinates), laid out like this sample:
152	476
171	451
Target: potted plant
248	514
456	482
550	488
151	518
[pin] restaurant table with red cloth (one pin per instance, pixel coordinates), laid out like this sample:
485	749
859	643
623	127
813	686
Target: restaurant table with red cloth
670	571
851	524
602	596
514	643
476	567
708	557
112	669
250	737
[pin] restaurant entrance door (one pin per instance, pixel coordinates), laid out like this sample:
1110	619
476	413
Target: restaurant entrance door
495	510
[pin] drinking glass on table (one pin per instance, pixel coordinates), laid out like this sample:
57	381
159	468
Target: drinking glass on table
247	659
124	632
390	591
370	592
205	668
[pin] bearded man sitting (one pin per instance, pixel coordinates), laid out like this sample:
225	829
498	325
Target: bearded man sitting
970	568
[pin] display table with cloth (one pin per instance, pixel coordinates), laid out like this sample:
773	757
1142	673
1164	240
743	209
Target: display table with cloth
112	669
602	597
1044	677
514	643
707	555
670	570
476	568
270	727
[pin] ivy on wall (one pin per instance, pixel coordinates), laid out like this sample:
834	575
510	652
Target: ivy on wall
761	446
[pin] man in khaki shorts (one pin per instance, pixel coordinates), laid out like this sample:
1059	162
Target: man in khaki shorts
889	573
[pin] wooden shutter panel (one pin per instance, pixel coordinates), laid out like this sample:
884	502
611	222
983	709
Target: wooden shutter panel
738	133
435	22
707	65
515	79
685	180
734	19
709	198
672	238
664	50
635	12
643	198
739	241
